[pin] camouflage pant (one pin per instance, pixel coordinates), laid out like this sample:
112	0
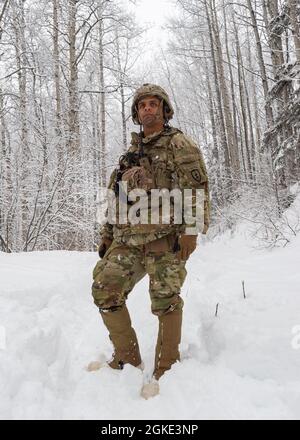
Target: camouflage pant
124	265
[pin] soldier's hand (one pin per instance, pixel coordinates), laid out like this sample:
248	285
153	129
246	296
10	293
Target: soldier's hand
103	246
187	245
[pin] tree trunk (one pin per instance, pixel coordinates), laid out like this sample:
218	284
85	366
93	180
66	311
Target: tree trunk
73	112
262	67
253	87
20	48
295	26
232	146
223	138
274	35
233	100
122	94
103	181
56	63
248	171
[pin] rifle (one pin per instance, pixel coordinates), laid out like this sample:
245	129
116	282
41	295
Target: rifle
129	160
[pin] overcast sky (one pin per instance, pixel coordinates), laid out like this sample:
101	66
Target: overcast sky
154	14
154	11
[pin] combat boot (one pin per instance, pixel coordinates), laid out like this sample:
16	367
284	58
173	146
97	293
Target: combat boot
167	350
168	340
123	337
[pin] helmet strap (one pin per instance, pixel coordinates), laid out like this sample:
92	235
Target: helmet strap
161	107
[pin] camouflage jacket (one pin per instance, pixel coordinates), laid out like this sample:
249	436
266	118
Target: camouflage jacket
175	162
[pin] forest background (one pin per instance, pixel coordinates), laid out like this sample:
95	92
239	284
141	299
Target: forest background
68	71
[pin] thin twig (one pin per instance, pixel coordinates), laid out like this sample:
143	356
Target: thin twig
217	307
244	293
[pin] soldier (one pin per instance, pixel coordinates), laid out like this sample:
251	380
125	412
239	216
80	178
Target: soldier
159	157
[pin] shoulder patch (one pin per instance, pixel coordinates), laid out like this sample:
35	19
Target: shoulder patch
196	175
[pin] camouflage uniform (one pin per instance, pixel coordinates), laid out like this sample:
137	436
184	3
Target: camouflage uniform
171	160
124	265
176	162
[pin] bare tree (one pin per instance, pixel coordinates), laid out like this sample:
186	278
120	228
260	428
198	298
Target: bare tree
295	26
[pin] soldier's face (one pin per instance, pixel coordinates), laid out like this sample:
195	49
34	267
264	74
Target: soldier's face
150	111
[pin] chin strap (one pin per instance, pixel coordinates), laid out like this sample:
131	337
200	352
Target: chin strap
158	111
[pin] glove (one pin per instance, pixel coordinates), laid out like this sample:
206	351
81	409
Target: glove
187	245
104	246
138	177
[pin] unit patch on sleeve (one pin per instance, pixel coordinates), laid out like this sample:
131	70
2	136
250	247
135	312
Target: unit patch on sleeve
196	175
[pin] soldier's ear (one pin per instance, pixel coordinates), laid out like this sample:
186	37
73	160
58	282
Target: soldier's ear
166	108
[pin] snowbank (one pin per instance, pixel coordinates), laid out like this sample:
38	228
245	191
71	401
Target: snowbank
242	364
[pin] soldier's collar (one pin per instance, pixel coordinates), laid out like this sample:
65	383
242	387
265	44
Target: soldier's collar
165	132
152	137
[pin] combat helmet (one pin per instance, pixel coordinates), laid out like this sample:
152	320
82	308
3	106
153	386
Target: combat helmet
151	90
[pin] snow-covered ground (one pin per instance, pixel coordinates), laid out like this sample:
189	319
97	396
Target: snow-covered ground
242	364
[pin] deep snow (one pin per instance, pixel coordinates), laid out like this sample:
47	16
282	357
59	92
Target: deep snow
242	364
